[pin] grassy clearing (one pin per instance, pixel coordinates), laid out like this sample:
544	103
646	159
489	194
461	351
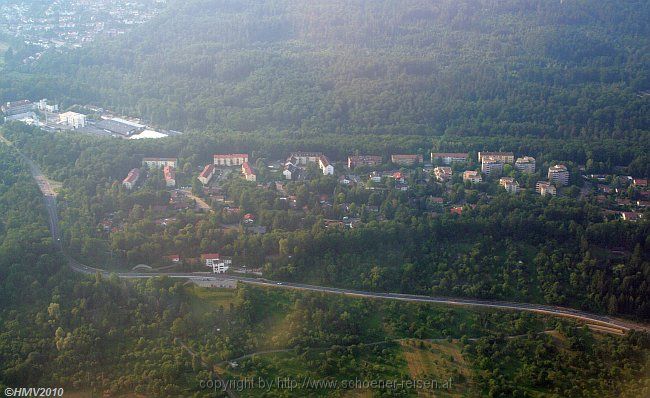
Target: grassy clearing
438	361
209	299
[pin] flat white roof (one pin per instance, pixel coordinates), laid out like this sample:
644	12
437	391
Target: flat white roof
147	134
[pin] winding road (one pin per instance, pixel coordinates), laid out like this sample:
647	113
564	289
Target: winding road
600	322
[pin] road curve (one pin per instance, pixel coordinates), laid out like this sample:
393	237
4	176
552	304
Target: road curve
616	324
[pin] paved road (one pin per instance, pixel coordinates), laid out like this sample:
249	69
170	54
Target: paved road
605	322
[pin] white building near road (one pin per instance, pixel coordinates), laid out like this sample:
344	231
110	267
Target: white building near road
218	264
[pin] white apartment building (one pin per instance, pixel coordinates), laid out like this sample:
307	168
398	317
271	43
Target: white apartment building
491	166
558	174
525	164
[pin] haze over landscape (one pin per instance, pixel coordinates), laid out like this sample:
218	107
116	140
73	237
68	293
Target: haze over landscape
325	198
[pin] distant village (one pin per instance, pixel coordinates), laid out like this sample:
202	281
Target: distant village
71	24
372	172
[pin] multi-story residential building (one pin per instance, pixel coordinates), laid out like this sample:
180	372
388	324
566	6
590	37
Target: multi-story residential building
472	176
449	157
303	158
73	119
442	173
297	159
509	184
558	174
525	164
364	160
131	179
156	163
231	159
248	172
206	174
503	157
170	176
17	107
406	160
491	166
325	165
218	263
545	188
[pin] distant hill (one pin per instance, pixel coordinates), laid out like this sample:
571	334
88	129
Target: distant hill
571	68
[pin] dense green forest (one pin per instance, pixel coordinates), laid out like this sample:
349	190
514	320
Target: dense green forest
534	67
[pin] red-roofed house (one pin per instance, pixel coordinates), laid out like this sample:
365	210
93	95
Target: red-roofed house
174	258
206	174
170	176
640	182
248	172
131	179
325	165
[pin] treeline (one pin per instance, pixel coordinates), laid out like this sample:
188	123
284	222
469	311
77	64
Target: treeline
464	68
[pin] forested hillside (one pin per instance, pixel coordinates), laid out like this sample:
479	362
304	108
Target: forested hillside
466	67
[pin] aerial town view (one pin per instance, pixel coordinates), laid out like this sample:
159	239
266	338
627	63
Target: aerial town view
408	198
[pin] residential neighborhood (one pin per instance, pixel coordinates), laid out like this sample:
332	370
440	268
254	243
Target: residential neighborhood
71	24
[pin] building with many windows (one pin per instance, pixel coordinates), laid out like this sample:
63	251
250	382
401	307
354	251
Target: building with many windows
230	159
472	176
364	160
545	188
448	157
73	119
525	164
17	107
218	263
491	166
509	184
558	174
297	159
156	163
406	160
503	157
303	158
